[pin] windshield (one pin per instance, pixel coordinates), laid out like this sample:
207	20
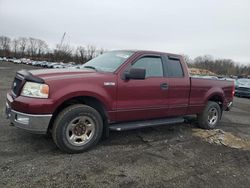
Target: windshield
109	61
243	81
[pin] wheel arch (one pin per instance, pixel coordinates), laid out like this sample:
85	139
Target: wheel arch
87	100
215	94
216	98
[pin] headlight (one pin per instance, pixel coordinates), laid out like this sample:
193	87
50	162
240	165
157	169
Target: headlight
32	89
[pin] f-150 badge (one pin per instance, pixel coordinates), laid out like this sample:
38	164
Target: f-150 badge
109	83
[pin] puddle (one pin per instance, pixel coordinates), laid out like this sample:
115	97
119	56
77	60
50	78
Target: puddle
220	137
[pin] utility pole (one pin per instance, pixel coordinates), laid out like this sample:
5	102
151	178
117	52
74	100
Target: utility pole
61	43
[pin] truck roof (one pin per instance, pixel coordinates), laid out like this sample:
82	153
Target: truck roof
150	51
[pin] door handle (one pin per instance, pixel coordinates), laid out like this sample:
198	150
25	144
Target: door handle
164	86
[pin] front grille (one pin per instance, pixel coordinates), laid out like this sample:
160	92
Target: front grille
17	83
243	89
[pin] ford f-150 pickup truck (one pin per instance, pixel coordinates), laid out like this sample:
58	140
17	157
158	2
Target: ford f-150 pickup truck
118	90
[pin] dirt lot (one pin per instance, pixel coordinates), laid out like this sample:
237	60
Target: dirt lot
166	156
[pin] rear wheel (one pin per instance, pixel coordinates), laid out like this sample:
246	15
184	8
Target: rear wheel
210	117
77	128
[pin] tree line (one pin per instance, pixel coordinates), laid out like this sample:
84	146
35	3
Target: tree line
37	49
218	66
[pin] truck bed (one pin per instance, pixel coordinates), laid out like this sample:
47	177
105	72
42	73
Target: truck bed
202	89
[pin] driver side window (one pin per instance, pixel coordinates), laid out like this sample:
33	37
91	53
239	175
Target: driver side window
152	65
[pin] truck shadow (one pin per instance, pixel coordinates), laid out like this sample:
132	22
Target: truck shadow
22	142
148	135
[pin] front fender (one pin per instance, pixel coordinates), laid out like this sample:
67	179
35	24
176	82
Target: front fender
104	95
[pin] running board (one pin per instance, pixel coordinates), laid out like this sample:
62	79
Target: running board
145	123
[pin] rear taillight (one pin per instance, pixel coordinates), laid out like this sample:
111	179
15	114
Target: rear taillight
233	90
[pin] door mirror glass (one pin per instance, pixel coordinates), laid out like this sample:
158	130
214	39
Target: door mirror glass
136	73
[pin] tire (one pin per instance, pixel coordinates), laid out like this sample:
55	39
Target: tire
77	128
205	119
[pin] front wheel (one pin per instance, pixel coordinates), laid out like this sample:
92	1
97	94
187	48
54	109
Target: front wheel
210	116
77	128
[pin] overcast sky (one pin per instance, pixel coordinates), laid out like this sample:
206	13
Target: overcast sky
195	27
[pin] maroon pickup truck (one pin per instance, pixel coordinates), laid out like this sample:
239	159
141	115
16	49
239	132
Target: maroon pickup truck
119	90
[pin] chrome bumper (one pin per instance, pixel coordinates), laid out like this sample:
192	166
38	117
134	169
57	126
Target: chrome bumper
31	122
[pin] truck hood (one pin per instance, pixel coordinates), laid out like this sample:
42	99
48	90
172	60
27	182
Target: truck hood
245	85
51	74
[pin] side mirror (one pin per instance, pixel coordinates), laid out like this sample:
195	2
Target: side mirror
135	73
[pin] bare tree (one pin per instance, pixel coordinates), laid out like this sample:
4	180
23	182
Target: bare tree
91	52
42	47
187	59
63	52
22	41
81	54
33	46
102	51
5	45
204	62
15	44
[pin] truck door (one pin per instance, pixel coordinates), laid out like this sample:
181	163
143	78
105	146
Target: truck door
143	99
178	86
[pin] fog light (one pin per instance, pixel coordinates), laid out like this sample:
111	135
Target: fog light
22	119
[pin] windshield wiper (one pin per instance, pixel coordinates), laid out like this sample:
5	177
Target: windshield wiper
90	67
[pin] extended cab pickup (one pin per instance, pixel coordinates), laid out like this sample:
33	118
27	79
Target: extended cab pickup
118	90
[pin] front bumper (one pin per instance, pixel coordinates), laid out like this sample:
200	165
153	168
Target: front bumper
31	122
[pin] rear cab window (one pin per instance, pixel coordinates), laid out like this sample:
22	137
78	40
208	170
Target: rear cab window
174	67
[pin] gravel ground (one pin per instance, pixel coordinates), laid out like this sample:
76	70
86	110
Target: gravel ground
165	156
